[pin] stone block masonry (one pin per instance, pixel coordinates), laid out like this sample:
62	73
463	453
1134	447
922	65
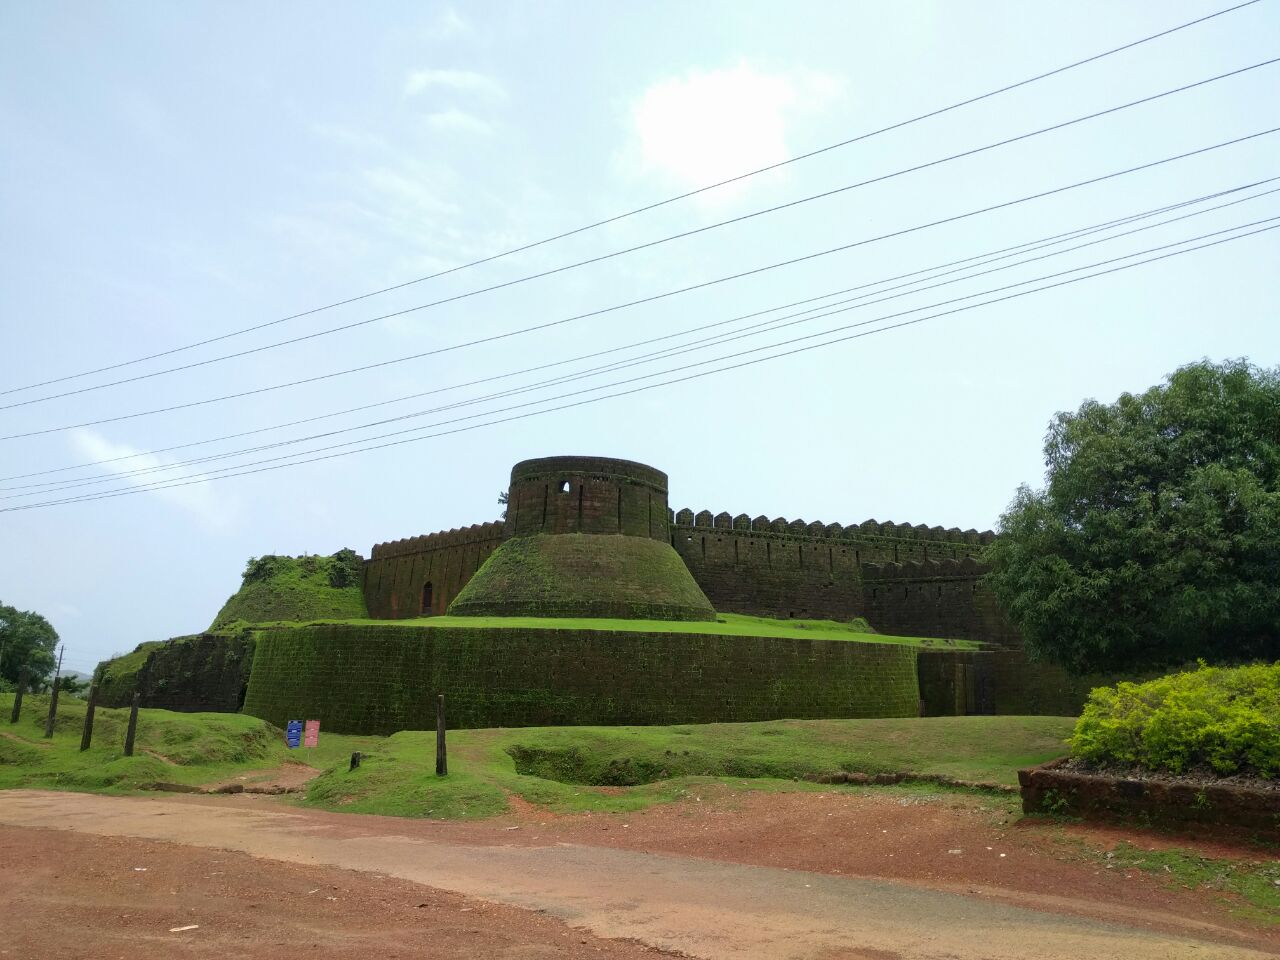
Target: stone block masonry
380	679
420	576
203	673
794	569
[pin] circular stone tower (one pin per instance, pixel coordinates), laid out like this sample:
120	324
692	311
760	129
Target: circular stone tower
587	537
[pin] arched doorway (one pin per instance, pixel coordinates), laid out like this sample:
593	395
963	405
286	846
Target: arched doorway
426	599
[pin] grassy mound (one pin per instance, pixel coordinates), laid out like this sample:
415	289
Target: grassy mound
581	768
584	575
119	677
296	588
561	768
1225	719
185	748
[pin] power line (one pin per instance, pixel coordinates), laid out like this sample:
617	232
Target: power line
989	256
643	246
652	206
644	300
1004	252
205	478
757	329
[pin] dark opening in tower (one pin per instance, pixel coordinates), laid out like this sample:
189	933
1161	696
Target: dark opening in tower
426	598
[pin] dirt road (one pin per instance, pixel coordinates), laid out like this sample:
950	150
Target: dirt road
700	907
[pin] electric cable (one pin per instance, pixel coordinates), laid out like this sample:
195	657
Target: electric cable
1003	252
640	246
643	300
766	326
652	206
271	463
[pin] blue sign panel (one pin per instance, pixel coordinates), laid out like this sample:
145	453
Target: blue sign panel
293	734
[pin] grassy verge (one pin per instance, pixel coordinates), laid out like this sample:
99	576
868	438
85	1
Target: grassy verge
562	768
626	768
726	624
1250	888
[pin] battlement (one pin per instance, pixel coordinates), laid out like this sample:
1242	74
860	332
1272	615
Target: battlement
476	533
966	568
868	529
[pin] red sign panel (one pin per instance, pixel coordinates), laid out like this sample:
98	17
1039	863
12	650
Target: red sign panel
311	735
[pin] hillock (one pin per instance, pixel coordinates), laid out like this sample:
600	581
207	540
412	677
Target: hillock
309	587
584	575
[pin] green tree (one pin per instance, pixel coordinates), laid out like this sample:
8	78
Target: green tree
1156	539
26	640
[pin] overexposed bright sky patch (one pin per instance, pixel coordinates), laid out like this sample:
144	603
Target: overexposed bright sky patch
705	126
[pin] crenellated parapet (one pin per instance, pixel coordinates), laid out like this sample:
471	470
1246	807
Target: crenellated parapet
476	533
816	530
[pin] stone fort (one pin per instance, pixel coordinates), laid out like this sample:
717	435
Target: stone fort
589	537
905	580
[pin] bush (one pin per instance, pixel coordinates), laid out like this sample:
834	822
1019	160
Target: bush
1225	718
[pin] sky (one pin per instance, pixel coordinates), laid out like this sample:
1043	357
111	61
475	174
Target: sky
171	174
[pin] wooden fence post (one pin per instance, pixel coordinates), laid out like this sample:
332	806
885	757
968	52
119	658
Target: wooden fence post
53	699
442	760
87	737
133	726
17	697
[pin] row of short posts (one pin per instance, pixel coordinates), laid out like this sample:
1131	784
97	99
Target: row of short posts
86	735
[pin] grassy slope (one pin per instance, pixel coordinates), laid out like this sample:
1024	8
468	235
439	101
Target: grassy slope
584	575
560	763
726	624
398	778
292	592
173	747
119	673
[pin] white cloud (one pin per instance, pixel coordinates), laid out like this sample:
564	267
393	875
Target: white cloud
213	511
707	126
460	81
448	25
458	120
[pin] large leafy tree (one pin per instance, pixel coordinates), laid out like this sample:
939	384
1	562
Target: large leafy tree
26	640
1156	539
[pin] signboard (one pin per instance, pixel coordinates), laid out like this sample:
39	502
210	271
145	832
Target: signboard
293	734
311	738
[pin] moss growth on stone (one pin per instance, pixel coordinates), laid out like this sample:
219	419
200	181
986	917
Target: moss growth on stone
584	575
296	588
117	678
204	672
376	679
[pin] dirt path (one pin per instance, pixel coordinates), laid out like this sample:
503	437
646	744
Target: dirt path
701	907
77	896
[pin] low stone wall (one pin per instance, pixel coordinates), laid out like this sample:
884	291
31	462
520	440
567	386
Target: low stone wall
1052	789
380	679
197	674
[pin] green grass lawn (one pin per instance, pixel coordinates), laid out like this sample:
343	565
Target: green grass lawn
562	768
726	624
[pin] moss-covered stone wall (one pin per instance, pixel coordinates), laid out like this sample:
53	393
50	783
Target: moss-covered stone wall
203	673
1002	681
420	576
380	679
584	575
793	568
944	598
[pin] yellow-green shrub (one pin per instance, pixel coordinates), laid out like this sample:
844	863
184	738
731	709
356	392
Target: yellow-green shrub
1225	718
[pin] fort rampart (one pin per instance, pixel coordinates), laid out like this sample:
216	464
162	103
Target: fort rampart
420	576
378	679
798	569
